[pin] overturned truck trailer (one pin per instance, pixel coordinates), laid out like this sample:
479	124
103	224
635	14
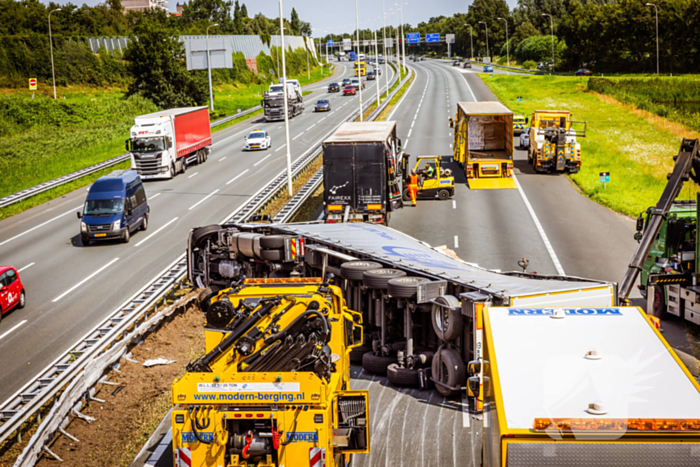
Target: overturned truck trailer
421	308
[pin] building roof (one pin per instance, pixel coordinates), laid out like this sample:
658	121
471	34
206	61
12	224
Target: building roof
362	132
484	108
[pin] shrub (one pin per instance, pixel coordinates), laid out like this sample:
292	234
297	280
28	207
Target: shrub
529	64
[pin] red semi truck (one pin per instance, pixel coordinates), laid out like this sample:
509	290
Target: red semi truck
163	144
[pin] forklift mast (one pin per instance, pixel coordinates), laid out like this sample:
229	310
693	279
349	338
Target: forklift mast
687	167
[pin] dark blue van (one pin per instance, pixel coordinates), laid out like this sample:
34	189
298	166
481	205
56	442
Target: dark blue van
115	207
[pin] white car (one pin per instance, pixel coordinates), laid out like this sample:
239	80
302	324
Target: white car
525	140
257	139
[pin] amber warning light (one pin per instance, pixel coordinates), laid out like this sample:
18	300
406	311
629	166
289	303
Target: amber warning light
617	424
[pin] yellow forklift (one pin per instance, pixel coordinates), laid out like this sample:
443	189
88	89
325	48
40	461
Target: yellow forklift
441	183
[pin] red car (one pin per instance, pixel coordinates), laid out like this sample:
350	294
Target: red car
11	290
349	90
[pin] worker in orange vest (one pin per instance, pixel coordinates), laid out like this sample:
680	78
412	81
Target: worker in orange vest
413	186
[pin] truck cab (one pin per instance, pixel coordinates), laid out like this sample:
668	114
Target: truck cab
553	141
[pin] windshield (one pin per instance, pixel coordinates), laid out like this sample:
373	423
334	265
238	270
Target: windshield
277	88
256	135
147	144
97	207
322	101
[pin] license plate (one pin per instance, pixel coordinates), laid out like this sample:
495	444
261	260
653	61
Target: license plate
101	235
256	145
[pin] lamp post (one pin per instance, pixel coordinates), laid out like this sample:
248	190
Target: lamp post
386	65
376	58
551	25
656	11
471	40
403	36
286	106
507	44
211	92
53	73
357	58
488	54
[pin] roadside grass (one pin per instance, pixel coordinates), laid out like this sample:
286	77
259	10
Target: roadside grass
636	151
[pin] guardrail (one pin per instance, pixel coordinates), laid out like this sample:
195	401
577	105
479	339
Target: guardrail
70	378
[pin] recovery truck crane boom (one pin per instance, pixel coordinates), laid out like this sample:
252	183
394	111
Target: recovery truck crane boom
687	167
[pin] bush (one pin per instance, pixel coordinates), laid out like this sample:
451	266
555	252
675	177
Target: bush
539	49
529	64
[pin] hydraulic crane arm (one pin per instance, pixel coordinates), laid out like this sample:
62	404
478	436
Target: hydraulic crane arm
687	167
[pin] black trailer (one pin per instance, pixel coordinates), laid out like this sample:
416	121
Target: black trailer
360	177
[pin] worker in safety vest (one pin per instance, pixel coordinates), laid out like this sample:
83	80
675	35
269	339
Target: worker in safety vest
429	171
413	186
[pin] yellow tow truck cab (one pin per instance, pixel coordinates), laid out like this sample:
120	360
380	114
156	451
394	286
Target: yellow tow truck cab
483	144
553	144
360	68
570	387
273	388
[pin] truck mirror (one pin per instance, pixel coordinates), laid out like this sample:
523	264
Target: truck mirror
640	223
170	143
527	120
80	215
474	367
473	386
129	212
126	145
452	123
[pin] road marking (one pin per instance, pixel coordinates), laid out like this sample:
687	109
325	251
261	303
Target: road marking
456	241
311	127
469	87
13	328
413	122
84	280
281	147
405	145
155	196
541	231
280	127
297	136
26	267
154	233
193	175
454	204
236	177
40	225
203	199
409	133
222	158
322	119
465	411
261	160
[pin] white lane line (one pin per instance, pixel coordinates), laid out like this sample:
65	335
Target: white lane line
154	233
311	127
465	411
280	127
456	241
236	177
281	147
222	158
26	267
409	133
13	328
297	136
203	199
469	87
413	122
193	175
154	196
541	231
85	280
454	204
322	119
261	160
40	225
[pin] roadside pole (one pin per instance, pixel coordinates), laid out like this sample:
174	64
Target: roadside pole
357	58
376	58
286	106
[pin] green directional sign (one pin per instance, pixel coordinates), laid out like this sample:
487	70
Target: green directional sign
604	177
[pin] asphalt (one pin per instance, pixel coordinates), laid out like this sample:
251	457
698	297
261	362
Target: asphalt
44	242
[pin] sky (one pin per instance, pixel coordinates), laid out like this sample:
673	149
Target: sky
334	16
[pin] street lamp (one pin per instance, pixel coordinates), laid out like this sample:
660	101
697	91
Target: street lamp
357	58
403	37
286	106
507	44
656	10
53	73
211	92
471	39
386	64
488	54
551	25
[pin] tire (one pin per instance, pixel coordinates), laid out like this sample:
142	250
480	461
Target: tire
454	372
659	303
404	287
203	232
379	278
127	235
269	242
357	353
406	195
22	300
353	270
376	364
144	223
451	328
205	297
402	376
443	195
272	255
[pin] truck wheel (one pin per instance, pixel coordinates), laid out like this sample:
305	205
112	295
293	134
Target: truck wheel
272	255
379	278
357	353
453	372
402	376
353	270
404	287
205	296
376	364
202	233
172	171
444	195
659	303
269	242
447	322
127	235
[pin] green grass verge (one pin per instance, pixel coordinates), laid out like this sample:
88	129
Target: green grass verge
636	150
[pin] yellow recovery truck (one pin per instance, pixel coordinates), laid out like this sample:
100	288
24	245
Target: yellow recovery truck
272	389
585	387
483	144
553	145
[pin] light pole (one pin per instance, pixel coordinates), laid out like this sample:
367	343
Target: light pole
551	25
53	73
403	36
656	11
376	58
286	106
386	65
471	39
211	92
507	44
357	58
488	54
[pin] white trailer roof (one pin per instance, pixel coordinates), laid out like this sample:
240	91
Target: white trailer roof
542	371
169	112
362	132
389	245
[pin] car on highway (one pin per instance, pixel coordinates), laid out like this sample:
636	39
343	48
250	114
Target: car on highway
378	70
422	59
346	82
583	72
334	87
257	139
525	141
455	63
356	82
115	207
322	105
381	60
11	290
349	90
467	65
488	69
371	76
